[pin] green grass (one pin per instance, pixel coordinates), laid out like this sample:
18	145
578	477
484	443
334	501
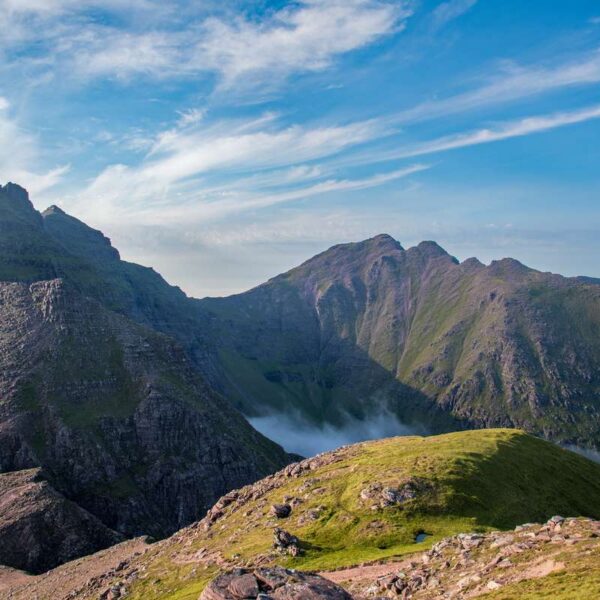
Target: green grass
481	480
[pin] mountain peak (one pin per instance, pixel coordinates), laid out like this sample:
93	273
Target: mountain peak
16	199
84	240
53	210
431	248
16	192
383	240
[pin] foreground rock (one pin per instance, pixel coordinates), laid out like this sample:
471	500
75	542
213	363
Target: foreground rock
40	528
272	583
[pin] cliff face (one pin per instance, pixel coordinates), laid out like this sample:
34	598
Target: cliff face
436	341
115	413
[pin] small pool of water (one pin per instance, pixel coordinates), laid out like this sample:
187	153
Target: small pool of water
421	537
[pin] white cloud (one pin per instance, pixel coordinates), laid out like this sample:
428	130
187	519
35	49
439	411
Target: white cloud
448	11
191	116
304	38
503	131
124	55
175	39
170	172
514	83
4	103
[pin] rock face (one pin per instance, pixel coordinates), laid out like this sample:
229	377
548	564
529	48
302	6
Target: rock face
40	528
371	327
115	413
272	584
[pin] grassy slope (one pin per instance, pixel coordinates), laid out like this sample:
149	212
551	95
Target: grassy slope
483	480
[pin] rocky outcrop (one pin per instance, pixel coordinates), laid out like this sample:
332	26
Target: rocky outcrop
377	495
272	584
40	528
472	565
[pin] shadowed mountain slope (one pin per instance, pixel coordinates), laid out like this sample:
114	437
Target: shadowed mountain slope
115	413
40	528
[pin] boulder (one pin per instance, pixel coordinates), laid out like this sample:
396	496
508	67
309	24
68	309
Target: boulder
273	583
286	542
281	511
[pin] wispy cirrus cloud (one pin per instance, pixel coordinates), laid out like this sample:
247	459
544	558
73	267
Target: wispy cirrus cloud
487	135
196	171
300	38
450	10
514	82
178	39
503	131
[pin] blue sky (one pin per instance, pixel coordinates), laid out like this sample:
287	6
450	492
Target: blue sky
224	142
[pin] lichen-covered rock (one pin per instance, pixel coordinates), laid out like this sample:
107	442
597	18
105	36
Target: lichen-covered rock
285	542
379	496
272	584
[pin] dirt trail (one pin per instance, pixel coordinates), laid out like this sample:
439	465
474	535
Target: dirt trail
367	572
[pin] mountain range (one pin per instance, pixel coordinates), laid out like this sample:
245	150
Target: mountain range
132	399
370	327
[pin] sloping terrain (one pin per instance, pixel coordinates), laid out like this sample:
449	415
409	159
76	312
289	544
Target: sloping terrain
40	528
558	560
359	331
371	327
368	502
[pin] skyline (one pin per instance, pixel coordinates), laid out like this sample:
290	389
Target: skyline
225	145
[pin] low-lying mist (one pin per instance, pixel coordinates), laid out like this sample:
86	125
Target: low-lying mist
301	437
587	452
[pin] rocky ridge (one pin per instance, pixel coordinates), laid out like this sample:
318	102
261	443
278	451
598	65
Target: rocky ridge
360	330
510	563
40	528
474	485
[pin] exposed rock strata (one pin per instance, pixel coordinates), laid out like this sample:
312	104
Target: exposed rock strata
40	528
